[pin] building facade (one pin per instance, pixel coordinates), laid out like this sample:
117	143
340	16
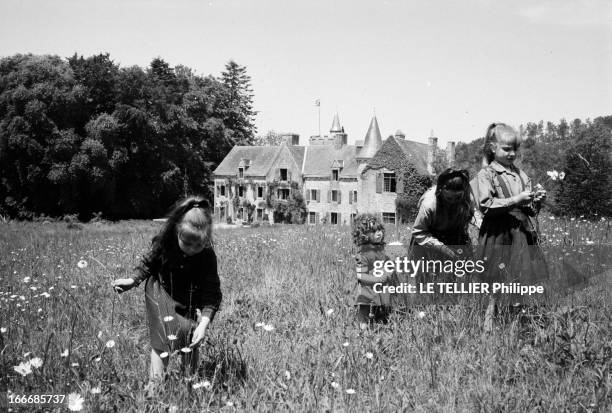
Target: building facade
336	180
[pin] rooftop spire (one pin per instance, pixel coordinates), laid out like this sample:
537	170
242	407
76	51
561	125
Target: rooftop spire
336	125
373	140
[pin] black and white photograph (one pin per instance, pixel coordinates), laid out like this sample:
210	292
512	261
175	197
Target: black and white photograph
306	206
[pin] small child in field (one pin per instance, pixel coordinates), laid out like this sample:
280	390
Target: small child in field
369	235
508	237
182	290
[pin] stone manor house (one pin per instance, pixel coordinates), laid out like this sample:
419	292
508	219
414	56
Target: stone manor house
337	180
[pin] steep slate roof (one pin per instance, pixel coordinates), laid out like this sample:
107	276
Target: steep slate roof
336	124
298	154
415	152
261	158
319	160
373	140
402	150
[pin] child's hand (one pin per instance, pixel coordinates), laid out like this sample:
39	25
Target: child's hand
540	195
198	334
524	197
123	284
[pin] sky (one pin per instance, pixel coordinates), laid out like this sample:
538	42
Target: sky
451	67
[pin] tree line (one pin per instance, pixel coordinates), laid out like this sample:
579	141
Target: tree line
82	135
573	161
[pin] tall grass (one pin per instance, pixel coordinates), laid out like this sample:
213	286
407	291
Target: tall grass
286	338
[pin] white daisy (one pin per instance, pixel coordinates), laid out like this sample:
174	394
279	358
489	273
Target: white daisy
171	337
110	343
36	362
82	264
168	318
75	402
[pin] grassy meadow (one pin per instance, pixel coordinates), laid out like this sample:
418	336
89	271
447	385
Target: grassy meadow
286	337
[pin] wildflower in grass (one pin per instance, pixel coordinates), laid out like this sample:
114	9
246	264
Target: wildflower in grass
553	175
73	286
23	368
171	337
421	314
259	324
82	264
206	384
350	391
75	402
64	353
229	403
287	375
186	350
39	310
36	362
3	330
168	318
268	327
345	344
26	280
329	312
335	385
502	266
97	359
95	390
26	354
75	364
561	176
163	355
110	344
369	355
100	334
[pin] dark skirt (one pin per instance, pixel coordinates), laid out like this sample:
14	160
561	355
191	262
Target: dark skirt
167	318
458	242
511	254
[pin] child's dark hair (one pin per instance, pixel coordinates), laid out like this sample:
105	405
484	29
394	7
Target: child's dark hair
363	225
494	132
190	215
456	180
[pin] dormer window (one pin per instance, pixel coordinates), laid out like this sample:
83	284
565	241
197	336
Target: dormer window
240	173
335	174
283	174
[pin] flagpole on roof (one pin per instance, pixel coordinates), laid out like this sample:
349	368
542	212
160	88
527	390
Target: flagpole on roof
318	104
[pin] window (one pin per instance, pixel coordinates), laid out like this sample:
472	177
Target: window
388	217
352	197
334	218
241	190
240	173
221	212
222	190
334	174
313	194
389	182
312	217
334	195
283	193
260	192
353	217
283	174
259	214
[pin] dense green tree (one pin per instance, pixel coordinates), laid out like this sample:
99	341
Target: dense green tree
82	135
241	116
587	186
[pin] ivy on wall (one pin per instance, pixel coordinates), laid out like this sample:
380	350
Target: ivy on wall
410	183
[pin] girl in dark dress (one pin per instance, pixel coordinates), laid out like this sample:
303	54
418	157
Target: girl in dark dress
182	290
508	238
440	230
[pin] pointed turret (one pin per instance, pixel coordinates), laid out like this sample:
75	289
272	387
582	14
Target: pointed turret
372	142
336	128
